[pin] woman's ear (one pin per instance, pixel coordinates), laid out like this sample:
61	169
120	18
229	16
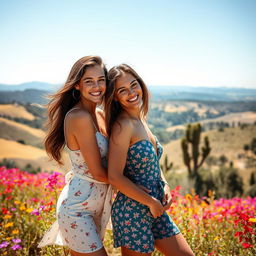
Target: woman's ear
77	87
115	99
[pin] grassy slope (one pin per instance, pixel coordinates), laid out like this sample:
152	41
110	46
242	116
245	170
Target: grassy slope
15	111
12	130
26	154
230	142
244	117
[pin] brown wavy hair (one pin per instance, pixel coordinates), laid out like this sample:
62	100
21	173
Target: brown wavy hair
61	102
113	108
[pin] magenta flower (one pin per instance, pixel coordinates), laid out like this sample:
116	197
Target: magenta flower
53	180
16	241
4	244
35	212
16	247
42	207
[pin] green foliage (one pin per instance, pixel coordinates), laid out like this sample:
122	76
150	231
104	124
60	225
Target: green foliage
223	160
36	123
190	143
9	164
211	160
228	183
246	147
166	167
251	191
252	188
193	158
253	146
252	179
21	142
30	169
206	180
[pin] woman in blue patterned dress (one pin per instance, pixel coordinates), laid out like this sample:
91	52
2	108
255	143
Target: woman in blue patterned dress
139	220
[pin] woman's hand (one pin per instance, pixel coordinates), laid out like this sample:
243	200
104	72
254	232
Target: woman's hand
156	208
167	200
144	189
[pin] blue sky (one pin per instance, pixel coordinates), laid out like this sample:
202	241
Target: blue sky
182	42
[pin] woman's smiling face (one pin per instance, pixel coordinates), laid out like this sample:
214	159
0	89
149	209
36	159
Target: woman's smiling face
128	91
92	85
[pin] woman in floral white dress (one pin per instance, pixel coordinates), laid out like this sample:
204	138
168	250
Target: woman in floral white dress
74	120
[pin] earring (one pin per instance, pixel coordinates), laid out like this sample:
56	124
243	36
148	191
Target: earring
76	94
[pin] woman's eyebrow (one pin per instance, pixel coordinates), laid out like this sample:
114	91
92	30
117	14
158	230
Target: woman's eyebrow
120	88
133	81
88	77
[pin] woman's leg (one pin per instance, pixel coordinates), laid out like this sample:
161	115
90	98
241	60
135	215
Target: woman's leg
100	252
174	246
127	252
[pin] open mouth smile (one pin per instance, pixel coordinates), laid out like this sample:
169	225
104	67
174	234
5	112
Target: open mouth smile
95	93
133	99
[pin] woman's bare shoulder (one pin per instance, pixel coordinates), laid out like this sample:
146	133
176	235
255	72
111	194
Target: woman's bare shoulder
123	124
78	116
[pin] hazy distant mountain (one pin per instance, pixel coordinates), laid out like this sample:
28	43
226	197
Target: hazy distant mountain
26	96
29	85
34	91
202	93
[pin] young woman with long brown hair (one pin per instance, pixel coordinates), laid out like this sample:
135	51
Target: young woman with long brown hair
139	220
74	121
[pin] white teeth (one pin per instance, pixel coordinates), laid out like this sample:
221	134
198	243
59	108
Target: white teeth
95	93
133	99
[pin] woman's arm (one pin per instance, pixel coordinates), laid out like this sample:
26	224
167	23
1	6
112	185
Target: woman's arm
83	129
167	200
118	149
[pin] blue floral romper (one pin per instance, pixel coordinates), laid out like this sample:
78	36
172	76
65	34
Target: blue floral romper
134	227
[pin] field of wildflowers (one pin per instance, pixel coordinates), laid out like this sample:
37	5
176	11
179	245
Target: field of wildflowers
221	227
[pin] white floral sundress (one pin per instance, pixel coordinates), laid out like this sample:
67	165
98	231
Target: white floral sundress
83	207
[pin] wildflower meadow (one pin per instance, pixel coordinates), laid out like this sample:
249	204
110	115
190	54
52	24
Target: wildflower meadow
211	227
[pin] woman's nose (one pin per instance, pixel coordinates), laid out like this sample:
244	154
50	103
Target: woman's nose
131	91
96	84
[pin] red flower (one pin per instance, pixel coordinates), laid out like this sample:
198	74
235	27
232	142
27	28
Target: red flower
93	246
246	245
238	234
244	217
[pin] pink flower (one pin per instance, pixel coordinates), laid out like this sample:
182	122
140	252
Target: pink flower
16	241
53	180
16	247
35	212
4	244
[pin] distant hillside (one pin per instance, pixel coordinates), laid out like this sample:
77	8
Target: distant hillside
12	130
26	96
26	154
229	142
30	85
15	111
170	93
234	118
159	93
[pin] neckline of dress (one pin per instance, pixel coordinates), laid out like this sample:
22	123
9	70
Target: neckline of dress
156	151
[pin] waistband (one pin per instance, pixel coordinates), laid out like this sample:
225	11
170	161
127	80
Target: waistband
70	175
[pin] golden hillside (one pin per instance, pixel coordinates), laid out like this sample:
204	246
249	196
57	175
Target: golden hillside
12	130
230	143
26	154
14	110
244	117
